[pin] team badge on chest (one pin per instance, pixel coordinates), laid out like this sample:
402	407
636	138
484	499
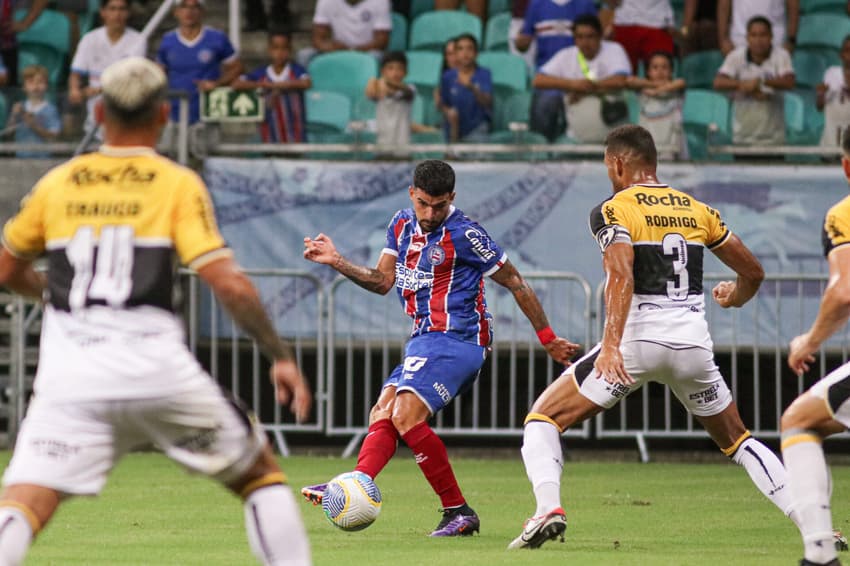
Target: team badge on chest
436	255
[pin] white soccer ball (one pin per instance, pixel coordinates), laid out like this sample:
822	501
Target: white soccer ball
351	501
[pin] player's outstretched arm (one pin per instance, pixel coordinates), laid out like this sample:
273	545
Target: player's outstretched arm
618	262
18	275
832	315
750	274
560	349
379	280
241	300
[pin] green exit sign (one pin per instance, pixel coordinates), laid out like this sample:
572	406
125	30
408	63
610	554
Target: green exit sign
224	104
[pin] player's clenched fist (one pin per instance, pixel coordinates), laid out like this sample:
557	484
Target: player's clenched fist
561	350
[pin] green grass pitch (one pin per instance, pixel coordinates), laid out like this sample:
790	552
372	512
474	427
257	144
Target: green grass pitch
152	513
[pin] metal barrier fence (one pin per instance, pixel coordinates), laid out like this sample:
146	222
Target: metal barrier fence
751	348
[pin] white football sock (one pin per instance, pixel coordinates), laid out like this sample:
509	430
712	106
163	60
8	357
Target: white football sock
810	488
15	536
768	473
544	463
275	531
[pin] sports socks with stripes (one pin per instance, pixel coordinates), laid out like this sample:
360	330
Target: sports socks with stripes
275	531
544	463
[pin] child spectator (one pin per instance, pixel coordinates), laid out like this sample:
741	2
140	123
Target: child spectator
283	82
466	95
833	98
36	120
661	103
394	100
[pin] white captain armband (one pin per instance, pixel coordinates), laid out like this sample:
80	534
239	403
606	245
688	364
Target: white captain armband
612	234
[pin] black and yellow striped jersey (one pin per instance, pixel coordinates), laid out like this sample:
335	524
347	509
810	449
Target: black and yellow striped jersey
110	223
669	231
836	226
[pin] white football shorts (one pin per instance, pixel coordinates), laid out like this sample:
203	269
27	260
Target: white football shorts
835	390
689	371
71	446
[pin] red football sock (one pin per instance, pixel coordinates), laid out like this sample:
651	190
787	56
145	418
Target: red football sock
433	460
377	448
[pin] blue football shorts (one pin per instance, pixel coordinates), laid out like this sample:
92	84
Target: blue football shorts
437	368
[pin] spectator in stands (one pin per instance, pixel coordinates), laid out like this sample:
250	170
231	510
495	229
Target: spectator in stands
661	104
466	95
256	18
642	27
9	28
100	48
36	120
195	58
339	25
519	8
549	24
733	17
699	26
283	82
592	75
394	100
449	62
833	98
475	7
756	75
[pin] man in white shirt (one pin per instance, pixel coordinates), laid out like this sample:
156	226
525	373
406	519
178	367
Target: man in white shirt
589	72
100	48
361	25
756	75
733	15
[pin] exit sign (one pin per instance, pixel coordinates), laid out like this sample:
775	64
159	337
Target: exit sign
224	104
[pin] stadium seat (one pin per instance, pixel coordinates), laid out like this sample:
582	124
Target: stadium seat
496	7
698	69
51	28
509	71
832	6
431	30
520	138
418	7
327	112
803	123
512	108
44	55
4	110
496	33
89	17
633	102
809	67
398	36
822	30
345	72
706	118
423	69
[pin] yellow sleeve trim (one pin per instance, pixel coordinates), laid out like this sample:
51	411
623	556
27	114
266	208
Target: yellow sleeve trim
29	514
266	480
209	257
798	438
16	252
737	444
540	417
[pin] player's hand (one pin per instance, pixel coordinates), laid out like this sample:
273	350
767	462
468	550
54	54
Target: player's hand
723	293
609	363
291	388
205	85
561	350
320	249
801	354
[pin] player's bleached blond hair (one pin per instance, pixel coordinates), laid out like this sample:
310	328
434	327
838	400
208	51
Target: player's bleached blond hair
133	89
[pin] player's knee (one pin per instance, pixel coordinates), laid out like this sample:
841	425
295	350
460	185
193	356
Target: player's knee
378	413
798	416
403	421
263	472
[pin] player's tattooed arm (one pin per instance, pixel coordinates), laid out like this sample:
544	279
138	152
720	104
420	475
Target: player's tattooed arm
508	277
379	279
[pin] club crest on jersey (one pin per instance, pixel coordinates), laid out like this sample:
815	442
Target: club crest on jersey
436	255
480	244
205	56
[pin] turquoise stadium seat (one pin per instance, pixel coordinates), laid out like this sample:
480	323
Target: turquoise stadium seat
327	112
809	67
832	6
521	139
496	33
4	110
496	7
431	30
398	37
423	68
34	54
345	72
822	30
698	69
89	17
706	116
46	42
420	7
512	108
803	123
509	71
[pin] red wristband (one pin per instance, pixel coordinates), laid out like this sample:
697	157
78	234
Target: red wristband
546	335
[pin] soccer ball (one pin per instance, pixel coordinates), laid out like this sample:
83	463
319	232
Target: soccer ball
351	501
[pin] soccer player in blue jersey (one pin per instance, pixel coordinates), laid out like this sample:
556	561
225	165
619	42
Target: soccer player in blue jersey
196	58
436	257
